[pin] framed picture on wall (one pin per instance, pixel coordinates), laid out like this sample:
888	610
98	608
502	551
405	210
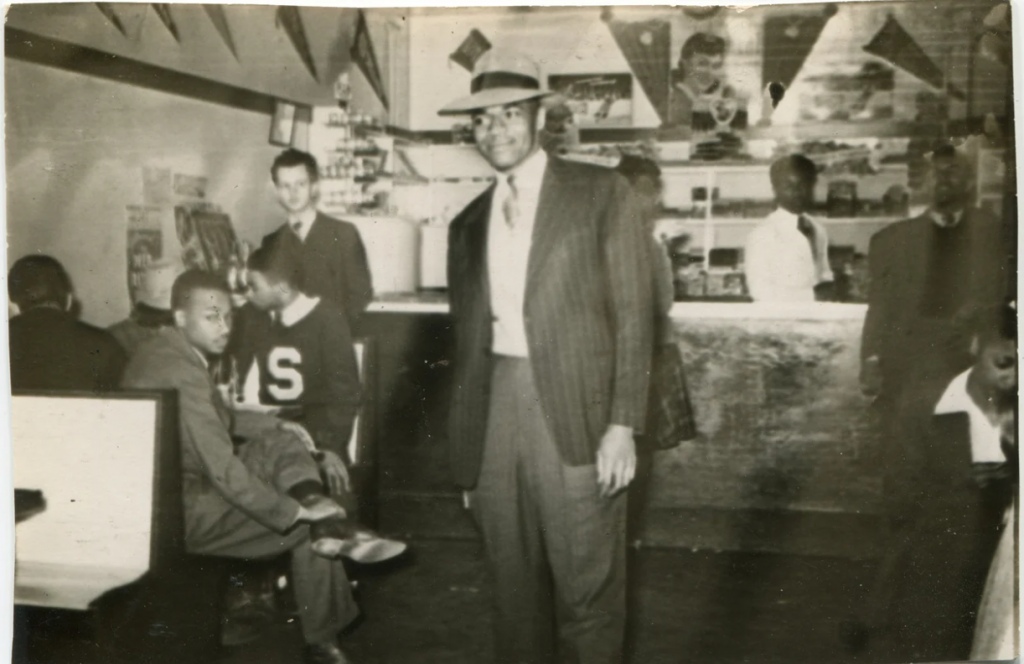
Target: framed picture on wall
597	100
283	123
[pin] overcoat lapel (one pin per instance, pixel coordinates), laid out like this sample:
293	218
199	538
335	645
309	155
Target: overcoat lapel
553	220
477	276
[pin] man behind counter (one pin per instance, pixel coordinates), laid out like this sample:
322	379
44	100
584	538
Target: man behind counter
333	255
786	255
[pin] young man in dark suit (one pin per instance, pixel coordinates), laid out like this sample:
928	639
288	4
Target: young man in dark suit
332	251
551	298
50	348
965	481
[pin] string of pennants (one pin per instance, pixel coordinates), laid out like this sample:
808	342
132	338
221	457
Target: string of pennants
128	19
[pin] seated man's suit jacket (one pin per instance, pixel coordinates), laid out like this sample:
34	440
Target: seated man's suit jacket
212	473
589	314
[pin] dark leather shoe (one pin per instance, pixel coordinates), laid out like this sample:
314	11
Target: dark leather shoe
247	615
325	653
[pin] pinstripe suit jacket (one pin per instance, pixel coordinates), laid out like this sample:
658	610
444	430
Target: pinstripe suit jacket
588	314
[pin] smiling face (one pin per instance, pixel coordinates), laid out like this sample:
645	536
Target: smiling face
205	320
295	189
703	71
506	135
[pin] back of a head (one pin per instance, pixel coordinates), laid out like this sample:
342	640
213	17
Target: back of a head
280	260
195	280
36	281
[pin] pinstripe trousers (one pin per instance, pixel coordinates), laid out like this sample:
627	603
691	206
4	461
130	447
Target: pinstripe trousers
555	548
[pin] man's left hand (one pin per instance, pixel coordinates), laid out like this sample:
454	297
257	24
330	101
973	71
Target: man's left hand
616	460
334	471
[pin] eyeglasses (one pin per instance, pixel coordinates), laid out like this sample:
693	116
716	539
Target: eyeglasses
506	117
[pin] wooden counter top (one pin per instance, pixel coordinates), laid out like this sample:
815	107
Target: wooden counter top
436	302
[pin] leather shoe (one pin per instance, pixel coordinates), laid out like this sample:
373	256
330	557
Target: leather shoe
366	546
325	653
334	538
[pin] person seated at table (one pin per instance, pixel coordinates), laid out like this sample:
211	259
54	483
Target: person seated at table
786	255
50	348
251	488
152	310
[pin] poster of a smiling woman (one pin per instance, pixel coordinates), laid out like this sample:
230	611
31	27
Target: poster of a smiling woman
701	97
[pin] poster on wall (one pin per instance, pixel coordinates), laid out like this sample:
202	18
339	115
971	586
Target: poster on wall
844	91
145	242
705	104
156	185
190	186
208	241
597	100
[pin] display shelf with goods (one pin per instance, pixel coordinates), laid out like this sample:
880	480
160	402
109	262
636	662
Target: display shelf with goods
355	157
991	170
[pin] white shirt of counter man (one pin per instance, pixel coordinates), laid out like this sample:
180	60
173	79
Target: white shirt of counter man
780	266
508	254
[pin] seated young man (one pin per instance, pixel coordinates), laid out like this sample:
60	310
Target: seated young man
966	483
251	489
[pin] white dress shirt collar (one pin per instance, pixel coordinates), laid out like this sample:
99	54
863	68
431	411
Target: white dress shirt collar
528	174
298	309
985	436
941	221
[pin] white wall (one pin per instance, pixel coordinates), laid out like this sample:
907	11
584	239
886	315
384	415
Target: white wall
75	149
562	42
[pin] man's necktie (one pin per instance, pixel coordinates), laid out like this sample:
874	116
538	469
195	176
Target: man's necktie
805	226
297	227
510	206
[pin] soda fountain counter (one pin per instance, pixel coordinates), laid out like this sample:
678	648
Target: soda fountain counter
786	460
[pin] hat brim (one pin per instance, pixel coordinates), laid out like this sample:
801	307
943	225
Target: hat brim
492	97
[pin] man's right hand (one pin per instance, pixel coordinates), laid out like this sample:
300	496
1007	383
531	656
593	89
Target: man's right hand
323	508
871	377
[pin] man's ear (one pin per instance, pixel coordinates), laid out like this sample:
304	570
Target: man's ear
179	318
314	191
69	302
975	346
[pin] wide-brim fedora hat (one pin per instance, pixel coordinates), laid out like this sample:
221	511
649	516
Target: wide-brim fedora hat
500	77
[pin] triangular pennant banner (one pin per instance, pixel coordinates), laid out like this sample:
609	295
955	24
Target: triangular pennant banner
788	40
164	12
220	22
470	50
289	19
647	48
108	10
896	46
133	16
363	55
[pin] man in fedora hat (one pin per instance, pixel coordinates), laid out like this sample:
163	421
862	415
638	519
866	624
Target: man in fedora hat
550	292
